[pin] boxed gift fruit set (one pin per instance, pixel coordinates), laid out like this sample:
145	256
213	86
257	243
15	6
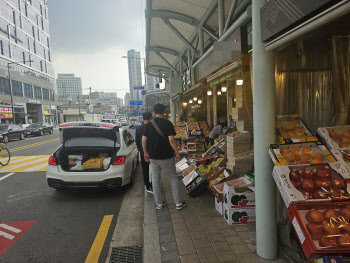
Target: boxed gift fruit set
323	228
238	197
343	163
219	206
239	216
299	154
298	184
335	138
291	129
241	162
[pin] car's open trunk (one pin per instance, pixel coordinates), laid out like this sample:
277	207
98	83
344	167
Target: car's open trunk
87	153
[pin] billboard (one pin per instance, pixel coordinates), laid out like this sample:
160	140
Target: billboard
136	103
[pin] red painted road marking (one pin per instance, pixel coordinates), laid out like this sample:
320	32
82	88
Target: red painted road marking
11	232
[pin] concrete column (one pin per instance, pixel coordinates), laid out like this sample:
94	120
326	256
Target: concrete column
209	103
264	135
215	108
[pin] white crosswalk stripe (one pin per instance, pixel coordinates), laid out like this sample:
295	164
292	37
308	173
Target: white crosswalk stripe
26	164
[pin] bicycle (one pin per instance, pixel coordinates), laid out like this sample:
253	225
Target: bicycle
5	154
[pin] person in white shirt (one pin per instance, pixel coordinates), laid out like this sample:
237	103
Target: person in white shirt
215	133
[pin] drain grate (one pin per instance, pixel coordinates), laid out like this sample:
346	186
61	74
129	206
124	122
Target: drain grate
126	254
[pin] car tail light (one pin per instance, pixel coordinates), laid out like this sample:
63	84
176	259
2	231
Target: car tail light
108	126
52	161
65	125
118	160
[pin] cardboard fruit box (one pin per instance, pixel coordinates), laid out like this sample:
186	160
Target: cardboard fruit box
288	188
238	197
342	165
300	154
334	137
239	137
221	176
313	248
291	129
239	216
219	206
218	190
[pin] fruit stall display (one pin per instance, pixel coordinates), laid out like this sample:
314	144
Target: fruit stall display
343	157
335	138
291	129
322	228
320	183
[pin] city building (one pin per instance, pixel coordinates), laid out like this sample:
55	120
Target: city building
26	49
108	94
127	98
151	83
69	85
135	76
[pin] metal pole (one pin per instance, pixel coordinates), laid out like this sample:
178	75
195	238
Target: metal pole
264	135
13	111
215	108
201	41
221	16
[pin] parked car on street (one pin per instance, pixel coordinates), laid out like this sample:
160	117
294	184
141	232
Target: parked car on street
123	121
134	122
116	122
11	132
39	128
93	141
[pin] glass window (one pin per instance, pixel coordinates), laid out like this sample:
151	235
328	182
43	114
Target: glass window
4	86
28	90
33	31
37	93
26	9
34	46
52	95
46	94
14	16
41	65
1	47
17	89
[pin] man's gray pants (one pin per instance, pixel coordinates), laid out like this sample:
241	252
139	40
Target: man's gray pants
168	166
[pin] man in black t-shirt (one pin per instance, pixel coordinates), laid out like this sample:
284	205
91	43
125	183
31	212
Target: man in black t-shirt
159	149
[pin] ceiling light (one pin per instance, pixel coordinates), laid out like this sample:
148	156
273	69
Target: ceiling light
191	101
195	99
219	92
185	103
239	82
209	92
223	89
199	101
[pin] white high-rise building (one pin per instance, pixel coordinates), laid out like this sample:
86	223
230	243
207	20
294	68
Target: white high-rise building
127	99
151	83
69	86
135	76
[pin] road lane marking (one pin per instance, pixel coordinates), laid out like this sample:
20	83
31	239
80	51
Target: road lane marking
99	241
24	168
10	228
5	235
4	177
33	145
38	168
22	165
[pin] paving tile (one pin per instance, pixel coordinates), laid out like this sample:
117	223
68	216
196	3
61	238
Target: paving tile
210	259
245	235
178	220
215	237
223	225
164	224
201	243
195	228
241	228
207	255
227	256
165	230
198	235
190	258
212	230
186	249
241	249
248	258
179	226
166	238
182	241
175	215
234	240
168	246
252	247
228	232
220	246
217	219
181	233
170	256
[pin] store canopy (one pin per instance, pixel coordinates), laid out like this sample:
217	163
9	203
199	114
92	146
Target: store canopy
178	32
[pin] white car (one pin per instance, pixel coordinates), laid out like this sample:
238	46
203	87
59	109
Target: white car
116	122
123	121
88	140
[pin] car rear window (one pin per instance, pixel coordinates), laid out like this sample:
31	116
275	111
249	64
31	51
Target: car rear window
90	142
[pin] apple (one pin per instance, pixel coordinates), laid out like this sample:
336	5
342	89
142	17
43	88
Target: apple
308	185
344	226
324	172
344	240
338	183
331	214
346	157
331	229
315	230
295	184
295	157
295	175
306	195
308	174
325	183
345	212
338	193
329	242
320	194
315	216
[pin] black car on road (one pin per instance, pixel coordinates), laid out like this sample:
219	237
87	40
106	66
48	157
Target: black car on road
39	128
11	132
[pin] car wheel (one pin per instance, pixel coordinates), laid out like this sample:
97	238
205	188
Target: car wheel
41	133
21	137
6	138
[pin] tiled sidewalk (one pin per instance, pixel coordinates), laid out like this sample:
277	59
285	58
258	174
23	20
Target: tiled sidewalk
198	233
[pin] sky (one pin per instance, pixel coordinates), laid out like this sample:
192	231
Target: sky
89	38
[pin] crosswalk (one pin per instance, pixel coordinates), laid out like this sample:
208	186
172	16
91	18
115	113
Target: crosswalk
33	145
34	163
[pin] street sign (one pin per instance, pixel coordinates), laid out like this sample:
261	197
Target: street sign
11	232
136	103
139	87
143	93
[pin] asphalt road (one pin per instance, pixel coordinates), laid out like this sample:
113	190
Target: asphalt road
67	221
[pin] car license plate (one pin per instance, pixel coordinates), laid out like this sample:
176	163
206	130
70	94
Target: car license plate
28	132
